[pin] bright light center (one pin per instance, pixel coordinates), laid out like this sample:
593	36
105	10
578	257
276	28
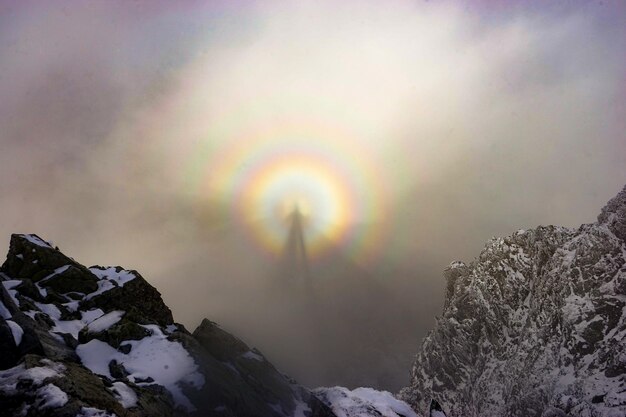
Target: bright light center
304	186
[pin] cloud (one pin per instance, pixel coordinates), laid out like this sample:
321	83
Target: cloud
476	122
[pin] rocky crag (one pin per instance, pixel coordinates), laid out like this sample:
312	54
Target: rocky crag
77	341
535	326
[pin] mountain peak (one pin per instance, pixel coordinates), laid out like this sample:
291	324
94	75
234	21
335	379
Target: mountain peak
613	214
534	326
78	341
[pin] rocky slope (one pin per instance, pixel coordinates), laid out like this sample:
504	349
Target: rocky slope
535	326
364	402
77	341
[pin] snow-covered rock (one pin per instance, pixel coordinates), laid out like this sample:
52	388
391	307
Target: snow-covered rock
535	326
100	342
363	402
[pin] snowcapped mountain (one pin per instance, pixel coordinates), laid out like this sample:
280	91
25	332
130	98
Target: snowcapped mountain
535	326
100	342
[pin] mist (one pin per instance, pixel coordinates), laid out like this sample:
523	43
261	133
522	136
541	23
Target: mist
119	120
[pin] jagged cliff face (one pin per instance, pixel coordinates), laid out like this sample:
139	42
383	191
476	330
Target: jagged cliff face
535	326
77	341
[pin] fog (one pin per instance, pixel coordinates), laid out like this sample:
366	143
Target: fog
125	128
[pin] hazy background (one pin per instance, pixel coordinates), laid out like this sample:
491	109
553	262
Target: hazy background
479	119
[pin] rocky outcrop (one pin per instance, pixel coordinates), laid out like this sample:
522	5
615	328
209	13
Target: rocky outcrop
535	326
99	341
364	402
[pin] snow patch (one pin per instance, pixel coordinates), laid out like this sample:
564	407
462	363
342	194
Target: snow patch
4	311
302	409
253	356
9	285
36	240
166	362
109	278
50	309
103	323
124	394
10	377
72	327
17	331
94	412
363	402
50	396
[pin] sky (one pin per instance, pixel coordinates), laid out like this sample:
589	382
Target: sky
175	138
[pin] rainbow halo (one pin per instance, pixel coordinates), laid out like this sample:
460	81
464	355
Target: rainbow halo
271	171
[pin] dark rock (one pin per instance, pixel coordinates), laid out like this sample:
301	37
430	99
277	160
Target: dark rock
243	387
117	370
69	340
121	331
44	321
9	354
141	301
34	261
28	288
219	343
72	279
125	348
436	410
597	399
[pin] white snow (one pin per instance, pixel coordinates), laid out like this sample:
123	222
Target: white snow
302	409
17	331
125	394
363	402
50	309
4	311
102	323
50	396
437	413
96	356
10	377
57	271
109	278
90	315
72	305
36	240
167	362
253	356
72	327
9	285
94	412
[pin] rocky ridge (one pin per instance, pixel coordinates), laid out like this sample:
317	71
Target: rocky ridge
535	326
99	341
